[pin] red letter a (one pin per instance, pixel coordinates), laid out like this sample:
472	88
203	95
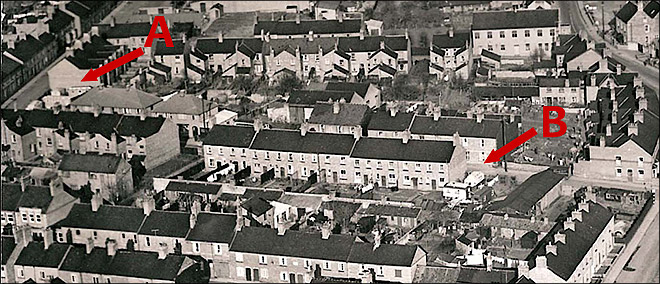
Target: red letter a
159	20
558	121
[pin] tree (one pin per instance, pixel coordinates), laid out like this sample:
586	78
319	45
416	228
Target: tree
288	83
243	83
423	39
403	89
537	54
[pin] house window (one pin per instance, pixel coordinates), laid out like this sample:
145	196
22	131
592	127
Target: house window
527	46
290	157
42	274
283	276
380	271
326	265
397	273
618	172
547	46
49	142
476	35
148	241
73	278
313	158
24	217
357	163
502	47
489	34
307	263
342	174
502	34
617	160
514	34
527	33
490	47
327	159
282	261
95	279
539	32
552	32
211	163
342	161
640	174
302	158
218	249
262	259
196	247
239	257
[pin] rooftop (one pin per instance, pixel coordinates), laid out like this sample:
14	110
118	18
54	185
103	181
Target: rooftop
395	149
116	98
108	217
526	195
499	20
92	163
348	114
213	227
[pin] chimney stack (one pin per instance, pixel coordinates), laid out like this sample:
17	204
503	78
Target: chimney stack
638	116
112	247
456	139
48	238
523	268
281	230
541	261
489	262
297	18
632	129
608	130
550	249
325	231
592	77
506	216
257	125
451	32
569	225
376	240
602	142
437	113
162	250
112	21
96	201
89	245
303	129
480	117
576	216
406	136
148	205
311	35
637	81
240	221
193	220
362	32
643	103
618	68
560	238
335	107
639	92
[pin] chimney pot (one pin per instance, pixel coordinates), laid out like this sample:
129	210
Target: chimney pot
162	251
111	247
89	245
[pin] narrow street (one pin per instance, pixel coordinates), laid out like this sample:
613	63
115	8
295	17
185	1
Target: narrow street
645	269
572	12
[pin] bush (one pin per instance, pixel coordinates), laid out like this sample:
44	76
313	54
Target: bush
288	83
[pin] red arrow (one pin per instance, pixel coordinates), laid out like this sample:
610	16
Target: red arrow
93	75
495	155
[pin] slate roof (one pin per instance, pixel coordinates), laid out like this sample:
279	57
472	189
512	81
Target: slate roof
35	197
349	114
35	255
305	26
395	149
185	104
466	127
8	244
116	98
256	205
557	82
652	8
385	254
626	12
325	44
78	8
372	43
311	143
492	55
30	46
193	187
161	47
213	227
227	46
500	20
266	241
460	39
359	88
137	264
134	125
390	210
383	120
312	202
265	194
578	242
166	223
92	163
59	21
311	97
9	65
11	195
526	195
476	274
108	217
229	136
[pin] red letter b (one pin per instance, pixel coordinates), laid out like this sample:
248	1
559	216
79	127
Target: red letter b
558	121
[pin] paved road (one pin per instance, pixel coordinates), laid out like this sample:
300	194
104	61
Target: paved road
645	260
572	11
33	90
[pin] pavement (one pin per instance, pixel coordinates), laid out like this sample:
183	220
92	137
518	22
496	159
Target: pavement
644	260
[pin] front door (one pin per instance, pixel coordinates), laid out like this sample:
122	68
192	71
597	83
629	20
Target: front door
282	173
292	277
630	174
433	184
366	179
383	181
334	177
248	274
300	278
414	180
255	274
